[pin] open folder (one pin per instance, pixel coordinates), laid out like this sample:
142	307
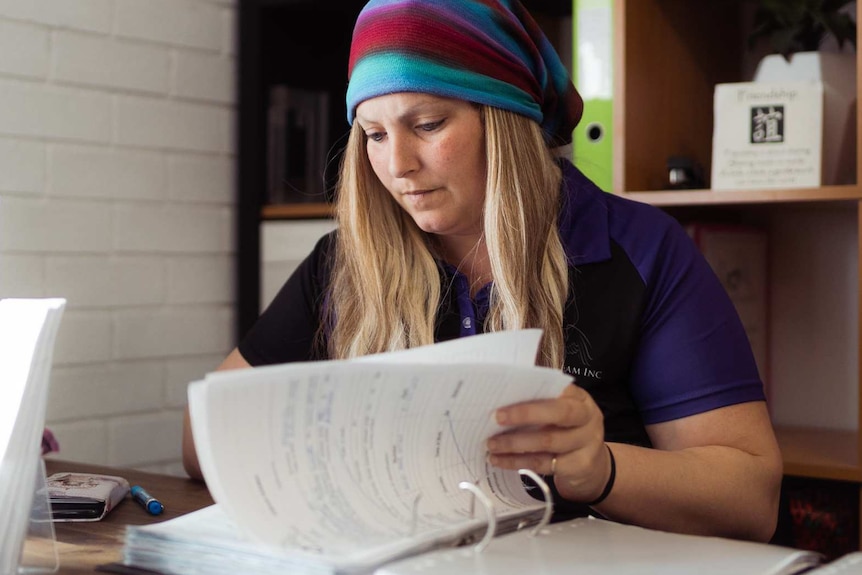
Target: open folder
347	467
591	546
342	466
207	541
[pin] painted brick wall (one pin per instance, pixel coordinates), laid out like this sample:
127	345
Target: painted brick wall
116	192
283	246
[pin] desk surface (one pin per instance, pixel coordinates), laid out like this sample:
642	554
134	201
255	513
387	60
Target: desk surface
84	546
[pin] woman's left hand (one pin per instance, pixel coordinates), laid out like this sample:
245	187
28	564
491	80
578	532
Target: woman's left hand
563	437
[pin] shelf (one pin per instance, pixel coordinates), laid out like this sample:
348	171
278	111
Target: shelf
296	211
656	198
728	197
820	453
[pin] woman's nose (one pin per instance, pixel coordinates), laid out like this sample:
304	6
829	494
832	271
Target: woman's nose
403	158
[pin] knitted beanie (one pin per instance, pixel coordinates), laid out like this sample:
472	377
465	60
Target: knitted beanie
485	51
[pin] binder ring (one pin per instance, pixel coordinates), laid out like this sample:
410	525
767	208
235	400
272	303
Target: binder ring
489	513
414	516
546	492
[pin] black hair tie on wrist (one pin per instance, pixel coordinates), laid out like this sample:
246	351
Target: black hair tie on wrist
610	484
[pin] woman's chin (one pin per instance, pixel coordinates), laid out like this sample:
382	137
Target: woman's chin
431	225
447	224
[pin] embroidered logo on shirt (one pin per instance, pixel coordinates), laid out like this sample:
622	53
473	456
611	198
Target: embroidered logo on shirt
579	348
583	372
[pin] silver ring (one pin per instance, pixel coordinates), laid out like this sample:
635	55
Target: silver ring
553	465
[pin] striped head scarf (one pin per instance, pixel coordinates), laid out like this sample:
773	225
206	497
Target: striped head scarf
485	51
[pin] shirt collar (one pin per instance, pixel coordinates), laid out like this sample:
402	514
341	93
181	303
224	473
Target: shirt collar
584	228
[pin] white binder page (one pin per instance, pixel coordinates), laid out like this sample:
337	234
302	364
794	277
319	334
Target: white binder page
515	347
590	546
338	458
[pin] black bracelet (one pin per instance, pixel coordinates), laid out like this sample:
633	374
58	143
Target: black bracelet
610	484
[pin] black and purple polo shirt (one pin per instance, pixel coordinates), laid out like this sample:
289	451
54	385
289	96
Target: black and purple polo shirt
649	330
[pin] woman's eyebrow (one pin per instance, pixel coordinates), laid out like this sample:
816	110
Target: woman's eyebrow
408	114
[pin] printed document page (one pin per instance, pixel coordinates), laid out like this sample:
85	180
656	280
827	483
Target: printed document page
516	347
347	458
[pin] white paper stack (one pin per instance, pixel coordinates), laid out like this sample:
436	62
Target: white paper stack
341	466
28	329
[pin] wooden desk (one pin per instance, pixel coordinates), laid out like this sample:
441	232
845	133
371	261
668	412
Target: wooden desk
84	546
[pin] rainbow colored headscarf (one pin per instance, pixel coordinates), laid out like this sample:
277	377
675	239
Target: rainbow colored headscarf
485	51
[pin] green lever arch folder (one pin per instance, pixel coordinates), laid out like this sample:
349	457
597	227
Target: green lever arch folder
592	31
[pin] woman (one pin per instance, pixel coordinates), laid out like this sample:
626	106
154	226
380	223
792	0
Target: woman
455	218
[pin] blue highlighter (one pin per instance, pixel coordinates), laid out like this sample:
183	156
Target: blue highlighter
150	503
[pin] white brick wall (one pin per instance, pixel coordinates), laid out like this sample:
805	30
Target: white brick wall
116	192
283	246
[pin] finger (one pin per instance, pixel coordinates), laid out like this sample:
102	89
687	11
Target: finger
541	440
542	463
572	408
580	474
576	392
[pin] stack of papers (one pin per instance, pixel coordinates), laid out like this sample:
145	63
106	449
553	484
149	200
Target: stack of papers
354	467
342	466
28	329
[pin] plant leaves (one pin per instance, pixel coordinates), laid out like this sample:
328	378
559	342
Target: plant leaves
841	26
801	25
828	6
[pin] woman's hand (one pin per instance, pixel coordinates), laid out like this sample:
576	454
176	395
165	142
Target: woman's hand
713	473
563	437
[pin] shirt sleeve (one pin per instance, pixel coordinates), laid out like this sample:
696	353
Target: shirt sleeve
694	354
288	330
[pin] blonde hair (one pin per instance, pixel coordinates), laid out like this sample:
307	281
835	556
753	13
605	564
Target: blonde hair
386	288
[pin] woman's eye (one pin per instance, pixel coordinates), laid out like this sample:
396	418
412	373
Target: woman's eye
430	126
375	136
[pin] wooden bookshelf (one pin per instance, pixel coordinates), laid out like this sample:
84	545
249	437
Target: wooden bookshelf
820	453
668	57
672	198
296	211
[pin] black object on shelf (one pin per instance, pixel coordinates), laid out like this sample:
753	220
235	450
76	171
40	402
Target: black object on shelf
683	173
297	144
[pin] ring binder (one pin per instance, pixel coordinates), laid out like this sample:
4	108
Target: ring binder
491	530
593	61
549	501
428	433
489	512
592	546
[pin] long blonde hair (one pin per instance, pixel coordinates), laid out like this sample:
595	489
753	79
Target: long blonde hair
386	287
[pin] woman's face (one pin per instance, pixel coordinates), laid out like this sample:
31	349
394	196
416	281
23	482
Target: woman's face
429	152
